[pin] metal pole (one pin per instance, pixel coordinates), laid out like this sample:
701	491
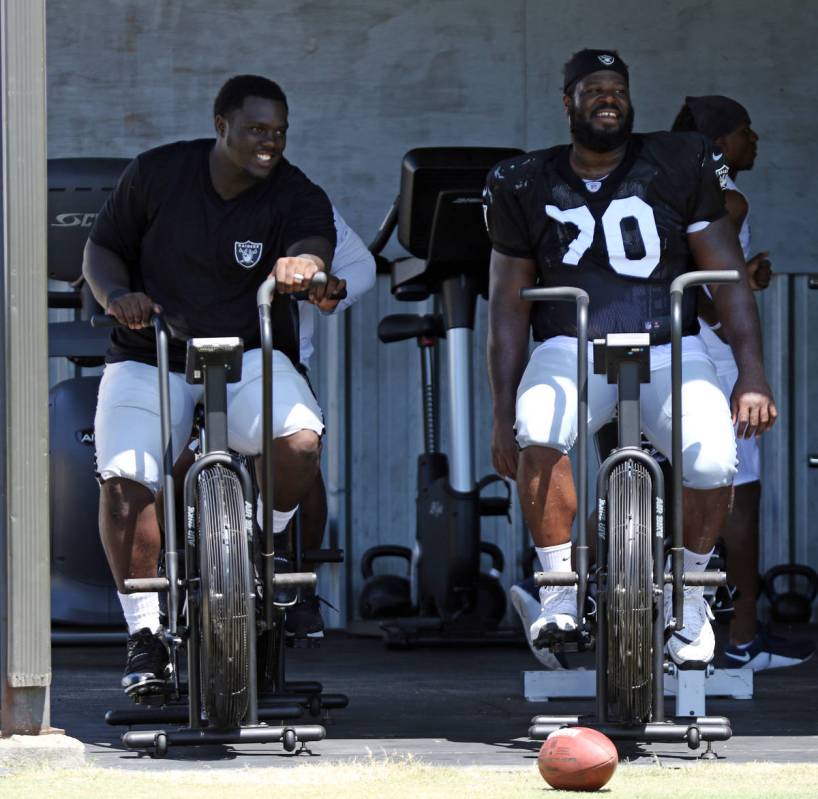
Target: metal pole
461	452
25	653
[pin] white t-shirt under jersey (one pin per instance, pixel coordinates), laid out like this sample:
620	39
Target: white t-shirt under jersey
354	263
744	233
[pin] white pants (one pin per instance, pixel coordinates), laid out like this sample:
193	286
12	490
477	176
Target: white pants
127	433
547	408
747	449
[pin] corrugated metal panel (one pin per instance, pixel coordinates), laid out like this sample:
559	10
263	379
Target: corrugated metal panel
804	541
774	307
28	656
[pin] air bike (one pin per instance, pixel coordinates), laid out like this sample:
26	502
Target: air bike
236	690
629	575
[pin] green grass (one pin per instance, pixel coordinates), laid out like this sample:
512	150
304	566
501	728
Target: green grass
411	779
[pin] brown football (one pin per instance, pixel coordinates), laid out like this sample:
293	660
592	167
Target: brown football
577	759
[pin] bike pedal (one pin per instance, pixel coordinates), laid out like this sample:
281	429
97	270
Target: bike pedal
151	695
551	637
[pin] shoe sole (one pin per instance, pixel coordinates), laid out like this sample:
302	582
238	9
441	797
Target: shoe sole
689	665
154	685
773	662
519	601
148	687
550	635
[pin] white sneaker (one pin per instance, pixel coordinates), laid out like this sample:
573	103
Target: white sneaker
557	618
691	647
528	609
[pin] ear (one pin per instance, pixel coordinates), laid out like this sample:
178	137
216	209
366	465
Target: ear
220	124
567	101
723	145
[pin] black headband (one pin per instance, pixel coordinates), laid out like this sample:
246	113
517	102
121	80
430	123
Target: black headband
715	115
585	62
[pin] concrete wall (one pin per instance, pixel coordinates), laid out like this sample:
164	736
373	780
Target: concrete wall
369	79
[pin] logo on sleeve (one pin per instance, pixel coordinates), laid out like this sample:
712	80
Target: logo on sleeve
248	253
721	173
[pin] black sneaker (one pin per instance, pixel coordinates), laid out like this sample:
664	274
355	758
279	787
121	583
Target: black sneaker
148	666
767	651
303	619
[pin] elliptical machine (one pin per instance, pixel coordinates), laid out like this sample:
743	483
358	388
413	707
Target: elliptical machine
439	219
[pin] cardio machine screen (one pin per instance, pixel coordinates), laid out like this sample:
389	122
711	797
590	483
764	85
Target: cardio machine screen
426	173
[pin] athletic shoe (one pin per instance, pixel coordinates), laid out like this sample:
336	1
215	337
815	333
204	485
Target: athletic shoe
148	666
691	647
768	651
523	600
303	620
557	619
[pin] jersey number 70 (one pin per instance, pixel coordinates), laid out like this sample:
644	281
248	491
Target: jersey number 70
630	233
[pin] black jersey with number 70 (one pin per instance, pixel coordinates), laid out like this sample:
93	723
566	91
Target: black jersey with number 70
622	238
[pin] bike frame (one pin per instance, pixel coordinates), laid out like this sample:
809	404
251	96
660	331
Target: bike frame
156	741
657	729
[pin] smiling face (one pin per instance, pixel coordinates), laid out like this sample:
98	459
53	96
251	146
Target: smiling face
600	111
253	137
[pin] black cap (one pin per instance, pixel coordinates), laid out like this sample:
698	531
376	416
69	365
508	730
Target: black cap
716	115
584	62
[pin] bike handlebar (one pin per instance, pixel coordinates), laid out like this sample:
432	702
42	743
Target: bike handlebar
702	278
158	322
264	295
386	229
557	293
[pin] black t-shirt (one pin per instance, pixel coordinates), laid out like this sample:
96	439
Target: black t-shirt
200	257
623	243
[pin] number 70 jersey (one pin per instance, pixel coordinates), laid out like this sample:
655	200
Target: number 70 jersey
622	238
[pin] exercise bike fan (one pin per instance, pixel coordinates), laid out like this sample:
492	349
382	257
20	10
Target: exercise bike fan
224	571
630	593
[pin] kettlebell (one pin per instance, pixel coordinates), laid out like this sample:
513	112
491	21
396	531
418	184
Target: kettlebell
795	605
384	596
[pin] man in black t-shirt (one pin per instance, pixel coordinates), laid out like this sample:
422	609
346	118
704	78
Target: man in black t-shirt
619	215
193	229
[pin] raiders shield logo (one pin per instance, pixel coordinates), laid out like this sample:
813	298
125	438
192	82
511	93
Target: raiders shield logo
721	173
248	253
607	60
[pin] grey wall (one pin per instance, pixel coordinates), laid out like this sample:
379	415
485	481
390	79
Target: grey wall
369	79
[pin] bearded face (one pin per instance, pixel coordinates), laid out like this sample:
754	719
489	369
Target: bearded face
600	112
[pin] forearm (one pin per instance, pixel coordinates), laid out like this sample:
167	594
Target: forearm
736	309
508	327
507	352
105	272
717	248
358	272
316	249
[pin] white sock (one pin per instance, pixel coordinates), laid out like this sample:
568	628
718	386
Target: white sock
141	610
556	558
281	518
696	561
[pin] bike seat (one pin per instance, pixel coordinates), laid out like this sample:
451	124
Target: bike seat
403	326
